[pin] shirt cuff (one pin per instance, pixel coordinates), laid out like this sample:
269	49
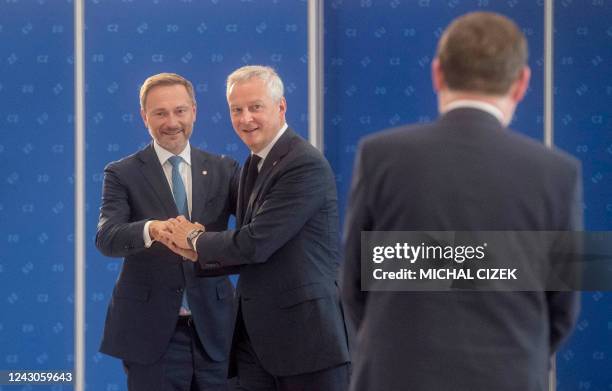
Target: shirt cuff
195	241
145	235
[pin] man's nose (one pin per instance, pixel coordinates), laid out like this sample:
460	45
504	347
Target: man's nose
172	121
245	117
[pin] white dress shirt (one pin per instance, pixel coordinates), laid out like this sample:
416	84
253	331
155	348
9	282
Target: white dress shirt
184	168
266	150
475	104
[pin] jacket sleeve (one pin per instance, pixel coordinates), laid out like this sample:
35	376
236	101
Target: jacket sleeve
117	236
358	219
564	306
295	196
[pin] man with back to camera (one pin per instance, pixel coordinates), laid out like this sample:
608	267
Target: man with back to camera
171	329
290	332
464	172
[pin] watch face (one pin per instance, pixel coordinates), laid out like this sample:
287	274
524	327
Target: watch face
193	234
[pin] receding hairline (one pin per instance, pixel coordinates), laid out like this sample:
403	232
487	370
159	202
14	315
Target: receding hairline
268	75
165	79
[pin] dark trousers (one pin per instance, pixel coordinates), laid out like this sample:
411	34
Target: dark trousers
184	367
253	377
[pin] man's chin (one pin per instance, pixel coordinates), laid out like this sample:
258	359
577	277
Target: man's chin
251	144
254	147
175	146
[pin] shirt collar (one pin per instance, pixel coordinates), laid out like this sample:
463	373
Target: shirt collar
163	154
475	104
266	150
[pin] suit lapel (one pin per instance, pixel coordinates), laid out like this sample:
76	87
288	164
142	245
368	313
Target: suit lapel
278	151
154	175
201	178
240	207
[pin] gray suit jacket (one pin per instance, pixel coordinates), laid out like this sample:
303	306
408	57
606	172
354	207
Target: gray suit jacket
286	250
144	308
464	172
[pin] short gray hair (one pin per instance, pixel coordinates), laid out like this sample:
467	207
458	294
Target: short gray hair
273	82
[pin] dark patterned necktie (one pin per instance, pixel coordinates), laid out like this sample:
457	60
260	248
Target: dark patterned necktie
251	177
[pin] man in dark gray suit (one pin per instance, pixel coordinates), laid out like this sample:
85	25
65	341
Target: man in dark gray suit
171	329
290	333
464	172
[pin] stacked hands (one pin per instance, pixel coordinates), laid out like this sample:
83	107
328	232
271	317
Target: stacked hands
173	233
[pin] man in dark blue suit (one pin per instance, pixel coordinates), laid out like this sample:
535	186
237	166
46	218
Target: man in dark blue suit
171	329
290	332
464	172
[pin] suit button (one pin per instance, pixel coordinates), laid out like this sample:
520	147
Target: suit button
179	290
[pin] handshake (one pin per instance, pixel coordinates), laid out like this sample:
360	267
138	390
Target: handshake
177	234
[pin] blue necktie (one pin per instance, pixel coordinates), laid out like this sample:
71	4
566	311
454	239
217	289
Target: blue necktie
180	199
178	187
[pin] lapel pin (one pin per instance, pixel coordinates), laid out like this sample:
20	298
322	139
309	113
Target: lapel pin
274	164
204	172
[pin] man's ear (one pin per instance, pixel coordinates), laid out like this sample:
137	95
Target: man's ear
143	115
519	87
437	77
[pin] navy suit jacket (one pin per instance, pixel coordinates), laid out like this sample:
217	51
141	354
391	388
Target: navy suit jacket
286	250
144	307
464	172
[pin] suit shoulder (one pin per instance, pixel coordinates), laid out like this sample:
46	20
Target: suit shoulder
527	147
303	151
395	137
125	162
222	159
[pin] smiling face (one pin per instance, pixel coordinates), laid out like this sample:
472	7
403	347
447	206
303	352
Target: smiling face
256	117
169	115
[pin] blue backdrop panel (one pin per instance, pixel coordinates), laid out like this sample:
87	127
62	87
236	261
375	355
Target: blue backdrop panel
378	56
36	174
377	59
203	41
583	127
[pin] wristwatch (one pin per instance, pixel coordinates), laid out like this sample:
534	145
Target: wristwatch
192	236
